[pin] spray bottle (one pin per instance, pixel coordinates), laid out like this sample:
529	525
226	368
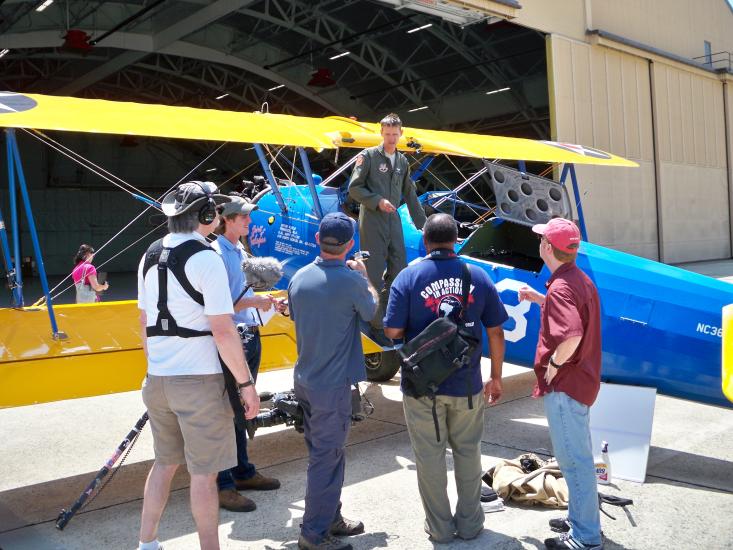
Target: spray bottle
603	468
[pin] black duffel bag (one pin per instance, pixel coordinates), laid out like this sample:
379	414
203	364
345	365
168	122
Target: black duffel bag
443	347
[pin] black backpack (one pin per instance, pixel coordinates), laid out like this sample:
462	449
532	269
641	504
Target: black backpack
442	348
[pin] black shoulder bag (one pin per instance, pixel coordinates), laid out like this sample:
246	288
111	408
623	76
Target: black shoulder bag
443	347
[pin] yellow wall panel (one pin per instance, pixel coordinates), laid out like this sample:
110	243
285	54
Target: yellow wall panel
693	176
643	99
615	105
560	17
694	213
700	137
720	123
583	111
601	97
599	87
629	96
676	26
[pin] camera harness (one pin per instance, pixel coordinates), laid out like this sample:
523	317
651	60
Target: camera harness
174	259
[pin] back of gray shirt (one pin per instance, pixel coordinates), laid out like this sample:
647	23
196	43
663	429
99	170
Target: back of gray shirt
327	301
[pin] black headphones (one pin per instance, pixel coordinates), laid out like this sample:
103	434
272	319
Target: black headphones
207	212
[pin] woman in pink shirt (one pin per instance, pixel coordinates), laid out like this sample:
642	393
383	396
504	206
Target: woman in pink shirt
85	276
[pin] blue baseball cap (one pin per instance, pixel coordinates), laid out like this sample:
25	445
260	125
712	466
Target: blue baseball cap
336	229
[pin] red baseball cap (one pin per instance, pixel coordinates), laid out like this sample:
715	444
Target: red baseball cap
561	233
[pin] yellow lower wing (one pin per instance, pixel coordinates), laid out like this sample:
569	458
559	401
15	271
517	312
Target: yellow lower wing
102	354
113	117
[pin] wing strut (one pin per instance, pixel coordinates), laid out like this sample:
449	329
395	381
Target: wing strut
9	267
311	185
270	178
15	167
569	168
424	165
13	274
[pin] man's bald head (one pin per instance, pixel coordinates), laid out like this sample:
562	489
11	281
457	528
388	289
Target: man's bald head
440	229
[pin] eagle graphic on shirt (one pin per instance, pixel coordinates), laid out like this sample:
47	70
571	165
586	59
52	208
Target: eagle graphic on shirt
443	297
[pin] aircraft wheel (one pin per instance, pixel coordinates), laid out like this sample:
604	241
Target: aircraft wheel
381	367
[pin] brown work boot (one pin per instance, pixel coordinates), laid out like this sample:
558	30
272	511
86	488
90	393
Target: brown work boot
257	482
329	543
231	500
346	527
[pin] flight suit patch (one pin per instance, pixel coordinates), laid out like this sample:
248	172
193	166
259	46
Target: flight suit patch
383	168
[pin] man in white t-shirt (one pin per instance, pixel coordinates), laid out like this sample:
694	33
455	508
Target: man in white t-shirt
186	321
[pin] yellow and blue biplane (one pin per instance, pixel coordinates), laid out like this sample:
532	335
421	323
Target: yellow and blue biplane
662	326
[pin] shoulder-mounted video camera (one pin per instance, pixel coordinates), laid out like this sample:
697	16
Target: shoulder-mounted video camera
286	409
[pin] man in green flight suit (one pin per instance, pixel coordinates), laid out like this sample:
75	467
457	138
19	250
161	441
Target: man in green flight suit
380	181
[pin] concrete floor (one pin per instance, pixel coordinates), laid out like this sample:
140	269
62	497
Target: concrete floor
719	269
50	452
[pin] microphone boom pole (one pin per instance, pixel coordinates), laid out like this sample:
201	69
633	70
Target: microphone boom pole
65	515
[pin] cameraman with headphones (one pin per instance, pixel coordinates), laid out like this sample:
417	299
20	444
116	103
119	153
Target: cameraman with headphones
186	320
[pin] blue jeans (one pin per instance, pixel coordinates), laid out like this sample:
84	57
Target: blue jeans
327	418
570	435
244	468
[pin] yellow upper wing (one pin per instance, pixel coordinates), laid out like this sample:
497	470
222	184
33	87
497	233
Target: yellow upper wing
112	117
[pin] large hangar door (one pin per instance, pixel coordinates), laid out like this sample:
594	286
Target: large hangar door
602	98
693	190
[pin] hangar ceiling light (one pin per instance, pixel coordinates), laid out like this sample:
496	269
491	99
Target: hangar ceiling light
419	28
439	8
44	5
342	54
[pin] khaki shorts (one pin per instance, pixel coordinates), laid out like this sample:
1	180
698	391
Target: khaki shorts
192	422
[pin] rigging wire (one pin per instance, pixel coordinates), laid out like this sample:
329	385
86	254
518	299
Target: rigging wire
447	187
82	163
72	152
142	213
547	170
467	181
106	262
339	170
295	156
298	190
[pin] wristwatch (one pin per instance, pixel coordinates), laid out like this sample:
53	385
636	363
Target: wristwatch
552	362
243	385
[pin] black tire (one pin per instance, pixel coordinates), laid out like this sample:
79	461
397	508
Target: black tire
381	367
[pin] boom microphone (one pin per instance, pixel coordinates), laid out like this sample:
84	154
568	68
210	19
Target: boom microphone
262	273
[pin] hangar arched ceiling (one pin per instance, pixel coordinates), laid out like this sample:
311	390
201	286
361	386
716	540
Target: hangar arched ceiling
285	53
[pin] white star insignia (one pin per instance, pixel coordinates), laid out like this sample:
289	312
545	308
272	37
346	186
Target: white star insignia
3	106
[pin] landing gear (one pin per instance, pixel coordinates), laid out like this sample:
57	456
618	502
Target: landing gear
381	367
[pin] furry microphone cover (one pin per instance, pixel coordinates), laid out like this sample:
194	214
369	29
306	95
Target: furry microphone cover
262	273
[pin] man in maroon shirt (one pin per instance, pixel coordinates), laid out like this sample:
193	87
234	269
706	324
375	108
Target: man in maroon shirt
568	368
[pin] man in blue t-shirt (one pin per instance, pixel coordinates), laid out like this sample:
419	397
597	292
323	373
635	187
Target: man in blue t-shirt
424	291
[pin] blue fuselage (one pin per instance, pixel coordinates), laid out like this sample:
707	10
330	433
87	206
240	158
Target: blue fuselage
661	325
